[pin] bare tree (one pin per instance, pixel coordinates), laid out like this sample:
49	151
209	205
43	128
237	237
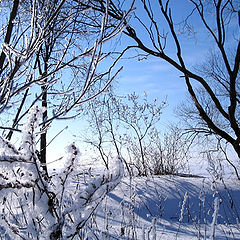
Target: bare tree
139	118
50	53
128	126
158	29
105	127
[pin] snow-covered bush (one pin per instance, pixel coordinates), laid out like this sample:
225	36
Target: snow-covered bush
34	205
129	126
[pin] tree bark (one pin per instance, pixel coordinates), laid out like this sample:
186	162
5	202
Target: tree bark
7	38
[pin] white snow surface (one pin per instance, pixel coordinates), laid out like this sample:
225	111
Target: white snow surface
157	208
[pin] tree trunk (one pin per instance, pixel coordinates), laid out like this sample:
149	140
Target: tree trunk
43	142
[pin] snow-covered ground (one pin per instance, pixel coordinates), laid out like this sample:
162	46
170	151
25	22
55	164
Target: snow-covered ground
169	207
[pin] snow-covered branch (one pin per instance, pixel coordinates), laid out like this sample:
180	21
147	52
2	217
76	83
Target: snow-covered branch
36	207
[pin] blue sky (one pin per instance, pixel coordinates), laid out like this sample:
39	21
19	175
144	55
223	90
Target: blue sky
158	79
152	75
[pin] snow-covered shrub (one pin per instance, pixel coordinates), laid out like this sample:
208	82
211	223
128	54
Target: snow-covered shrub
129	126
36	206
167	154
